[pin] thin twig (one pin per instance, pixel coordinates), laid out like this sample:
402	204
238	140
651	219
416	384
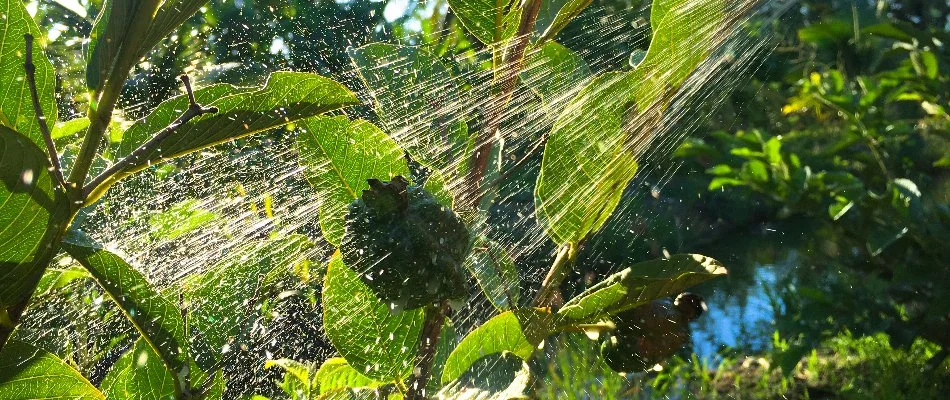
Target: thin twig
429	341
552	281
30	68
194	110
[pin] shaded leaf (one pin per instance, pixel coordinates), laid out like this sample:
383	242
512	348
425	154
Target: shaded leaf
518	331
495	271
566	11
27	372
58	278
639	284
340	155
16	106
491	21
378	341
110	33
33	214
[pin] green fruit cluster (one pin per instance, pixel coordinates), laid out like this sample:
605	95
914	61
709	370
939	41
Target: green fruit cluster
649	334
406	246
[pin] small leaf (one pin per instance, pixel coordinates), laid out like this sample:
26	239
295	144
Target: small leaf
498	376
33	213
285	98
518	331
169	16
58	278
16	105
420	103
340	155
640	284
297	382
567	10
139	374
351	394
495	271
336	373
378	341
490	21
69	129
180	219
154	317
27	372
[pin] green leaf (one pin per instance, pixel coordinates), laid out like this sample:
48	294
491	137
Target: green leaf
498	376
27	372
58	278
351	394
930	65
139	374
156	318
285	98
518	331
567	10
336	373
110	33
640	284
556	74
297	382
587	162
420	103
16	106
490	21
495	271
340	155
33	215
69	129
592	150
179	219
214	296
169	16
375	339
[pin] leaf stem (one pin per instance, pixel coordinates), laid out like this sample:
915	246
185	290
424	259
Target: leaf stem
429	341
98	185
559	270
30	69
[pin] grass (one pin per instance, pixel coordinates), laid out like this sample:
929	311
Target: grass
844	367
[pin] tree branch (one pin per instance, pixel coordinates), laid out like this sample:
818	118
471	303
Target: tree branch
30	69
194	110
429	341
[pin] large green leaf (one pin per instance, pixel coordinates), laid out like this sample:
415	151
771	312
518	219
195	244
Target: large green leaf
340	155
169	16
497	376
556	74
587	162
285	98
110	33
639	284
156	318
336	373
518	331
217	298
377	340
420	104
139	374
495	271
33	213
592	151
16	106
27	372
